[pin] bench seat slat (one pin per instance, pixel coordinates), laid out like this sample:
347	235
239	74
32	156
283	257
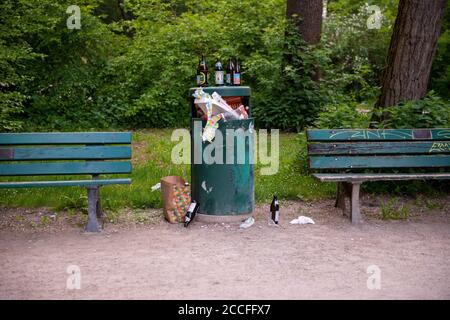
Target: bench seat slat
65	153
389	147
352	177
361	162
68	183
377	134
65	138
64	168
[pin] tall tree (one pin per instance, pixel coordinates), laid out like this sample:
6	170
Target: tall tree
307	18
307	15
410	57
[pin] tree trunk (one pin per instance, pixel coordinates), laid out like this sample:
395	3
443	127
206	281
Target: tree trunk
411	51
307	15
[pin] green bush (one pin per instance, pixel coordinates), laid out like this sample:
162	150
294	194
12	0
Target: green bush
429	112
440	74
10	106
133	69
295	98
356	54
344	115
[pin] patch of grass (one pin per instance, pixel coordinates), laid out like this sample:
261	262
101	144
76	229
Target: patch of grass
152	160
44	221
392	210
428	203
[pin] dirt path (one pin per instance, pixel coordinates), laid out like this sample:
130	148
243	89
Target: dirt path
327	260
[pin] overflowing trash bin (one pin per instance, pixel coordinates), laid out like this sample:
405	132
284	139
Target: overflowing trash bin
222	147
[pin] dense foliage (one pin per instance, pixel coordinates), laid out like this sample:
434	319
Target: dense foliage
132	61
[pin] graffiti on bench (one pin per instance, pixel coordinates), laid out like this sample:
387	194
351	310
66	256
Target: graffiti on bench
440	147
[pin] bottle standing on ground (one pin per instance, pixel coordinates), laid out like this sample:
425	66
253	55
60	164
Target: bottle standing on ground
202	73
218	73
275	209
230	73
237	74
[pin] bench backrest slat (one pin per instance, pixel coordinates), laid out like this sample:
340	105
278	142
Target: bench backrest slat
329	135
65	168
33	154
350	162
389	147
65	153
65	138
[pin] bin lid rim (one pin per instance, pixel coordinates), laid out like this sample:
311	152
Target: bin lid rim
225	91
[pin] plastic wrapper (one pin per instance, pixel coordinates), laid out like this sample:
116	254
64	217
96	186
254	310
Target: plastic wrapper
209	132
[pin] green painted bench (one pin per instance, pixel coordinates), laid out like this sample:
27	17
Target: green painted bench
344	156
55	154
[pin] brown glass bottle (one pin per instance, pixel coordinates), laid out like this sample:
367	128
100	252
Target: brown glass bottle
237	74
202	73
230	73
275	210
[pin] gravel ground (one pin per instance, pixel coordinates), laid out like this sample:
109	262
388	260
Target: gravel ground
140	256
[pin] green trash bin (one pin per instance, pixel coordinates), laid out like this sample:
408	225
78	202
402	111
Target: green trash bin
222	172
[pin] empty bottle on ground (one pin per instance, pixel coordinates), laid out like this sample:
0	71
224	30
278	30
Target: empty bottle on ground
191	212
275	209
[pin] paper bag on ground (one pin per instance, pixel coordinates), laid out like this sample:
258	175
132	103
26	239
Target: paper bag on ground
176	198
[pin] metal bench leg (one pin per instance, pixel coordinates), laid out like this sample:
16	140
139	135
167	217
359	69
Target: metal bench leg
356	214
93	200
99	206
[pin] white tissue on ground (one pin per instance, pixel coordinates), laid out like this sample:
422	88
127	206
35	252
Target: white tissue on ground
156	187
302	220
247	223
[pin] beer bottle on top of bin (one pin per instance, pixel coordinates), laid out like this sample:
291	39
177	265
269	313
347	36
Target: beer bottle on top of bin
202	73
218	71
230	73
237	73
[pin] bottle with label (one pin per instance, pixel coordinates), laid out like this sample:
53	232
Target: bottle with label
191	212
275	209
230	73
218	73
237	73
202	73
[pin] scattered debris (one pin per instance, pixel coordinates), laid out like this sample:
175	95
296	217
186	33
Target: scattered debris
247	223
156	186
302	220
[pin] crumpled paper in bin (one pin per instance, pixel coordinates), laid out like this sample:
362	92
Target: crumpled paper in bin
215	109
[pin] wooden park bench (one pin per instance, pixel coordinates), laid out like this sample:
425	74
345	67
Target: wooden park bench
345	156
65	154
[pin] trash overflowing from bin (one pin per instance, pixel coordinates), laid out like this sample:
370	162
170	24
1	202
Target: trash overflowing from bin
214	108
